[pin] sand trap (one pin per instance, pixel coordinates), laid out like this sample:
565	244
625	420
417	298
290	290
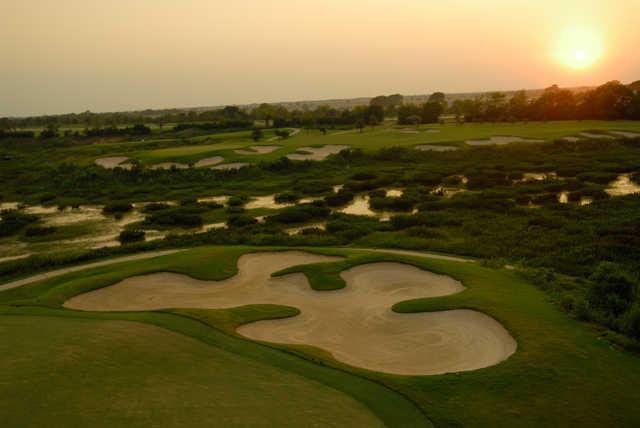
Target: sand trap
435	148
585	201
501	140
359	206
170	165
394	193
625	134
316	153
113	162
596	136
265	202
229	166
622	186
355	324
257	150
213	160
9	206
572	139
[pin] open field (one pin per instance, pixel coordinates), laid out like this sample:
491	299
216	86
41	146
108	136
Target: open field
562	373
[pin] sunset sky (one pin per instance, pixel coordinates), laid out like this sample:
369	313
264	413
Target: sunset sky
76	55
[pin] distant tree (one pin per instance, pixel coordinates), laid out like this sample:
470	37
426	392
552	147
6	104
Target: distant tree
256	134
438	97
613	289
431	112
518	105
360	124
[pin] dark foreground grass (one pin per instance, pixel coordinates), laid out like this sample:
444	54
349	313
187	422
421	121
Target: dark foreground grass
65	371
563	373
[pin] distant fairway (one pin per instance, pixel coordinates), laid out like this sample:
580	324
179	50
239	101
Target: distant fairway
190	150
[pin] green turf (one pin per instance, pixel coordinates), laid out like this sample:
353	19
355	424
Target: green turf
61	372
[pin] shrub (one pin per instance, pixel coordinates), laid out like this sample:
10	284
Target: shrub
241	220
131	236
286	197
612	290
117	208
155	206
14	221
343	197
175	217
33	231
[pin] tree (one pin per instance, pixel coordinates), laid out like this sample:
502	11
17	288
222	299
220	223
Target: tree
438	97
431	112
518	105
256	134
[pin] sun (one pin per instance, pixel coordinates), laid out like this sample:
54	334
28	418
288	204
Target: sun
578	48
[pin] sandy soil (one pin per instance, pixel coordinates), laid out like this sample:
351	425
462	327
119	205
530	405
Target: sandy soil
299	229
316	153
257	150
170	165
359	206
355	324
394	193
9	205
213	160
435	148
234	165
501	140
217	199
113	161
54	273
264	202
563	197
623	186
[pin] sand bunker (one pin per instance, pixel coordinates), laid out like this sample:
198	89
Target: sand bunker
436	148
355	324
394	193
625	134
622	186
170	165
572	139
229	166
113	162
257	150
501	140
213	160
596	136
316	153
359	206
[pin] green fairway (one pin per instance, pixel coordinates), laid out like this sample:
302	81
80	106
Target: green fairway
562	373
79	372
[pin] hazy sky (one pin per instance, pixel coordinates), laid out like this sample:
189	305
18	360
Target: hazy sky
75	55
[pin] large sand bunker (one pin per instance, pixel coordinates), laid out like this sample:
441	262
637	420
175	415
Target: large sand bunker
114	162
316	153
356	324
501	140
